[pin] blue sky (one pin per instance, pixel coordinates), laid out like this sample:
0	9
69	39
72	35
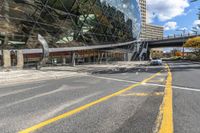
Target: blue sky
173	14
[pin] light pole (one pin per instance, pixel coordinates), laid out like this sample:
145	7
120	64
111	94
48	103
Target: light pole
184	31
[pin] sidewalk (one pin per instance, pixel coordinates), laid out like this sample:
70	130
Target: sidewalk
21	76
47	73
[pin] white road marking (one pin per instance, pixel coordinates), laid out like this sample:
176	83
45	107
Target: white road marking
19	91
147	84
38	117
186	88
114	79
68	87
31	98
152	84
183	66
2	86
57	109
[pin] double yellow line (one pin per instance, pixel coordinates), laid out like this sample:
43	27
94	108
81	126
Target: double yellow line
165	124
79	109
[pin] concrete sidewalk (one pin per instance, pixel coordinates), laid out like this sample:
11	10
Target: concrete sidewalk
8	77
21	76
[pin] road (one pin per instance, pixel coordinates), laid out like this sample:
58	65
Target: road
125	100
186	99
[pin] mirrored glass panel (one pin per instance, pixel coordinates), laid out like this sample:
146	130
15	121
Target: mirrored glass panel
68	23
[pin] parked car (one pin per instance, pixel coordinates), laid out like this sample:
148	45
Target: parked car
156	61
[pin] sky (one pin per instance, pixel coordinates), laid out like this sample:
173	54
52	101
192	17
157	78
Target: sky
174	15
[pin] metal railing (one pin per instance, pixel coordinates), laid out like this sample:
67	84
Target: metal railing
173	36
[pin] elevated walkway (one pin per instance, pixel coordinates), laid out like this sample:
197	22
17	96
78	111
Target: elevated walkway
170	41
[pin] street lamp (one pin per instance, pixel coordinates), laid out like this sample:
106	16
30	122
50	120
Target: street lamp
184	31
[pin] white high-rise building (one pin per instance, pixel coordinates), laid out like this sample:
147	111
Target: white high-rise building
149	31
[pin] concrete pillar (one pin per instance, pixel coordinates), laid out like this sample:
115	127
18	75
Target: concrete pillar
6	59
20	59
148	55
106	57
64	61
125	57
183	54
99	56
5	41
73	59
89	59
129	56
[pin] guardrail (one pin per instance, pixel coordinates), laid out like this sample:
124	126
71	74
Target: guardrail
173	36
71	49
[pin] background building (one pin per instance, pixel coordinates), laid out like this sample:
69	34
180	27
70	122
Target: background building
153	32
143	10
157	53
149	31
68	23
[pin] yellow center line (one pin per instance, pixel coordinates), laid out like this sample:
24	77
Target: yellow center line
79	109
165	117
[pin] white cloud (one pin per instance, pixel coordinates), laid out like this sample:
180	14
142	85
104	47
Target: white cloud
196	25
184	28
165	9
196	22
170	26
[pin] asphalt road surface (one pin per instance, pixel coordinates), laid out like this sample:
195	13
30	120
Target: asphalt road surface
118	101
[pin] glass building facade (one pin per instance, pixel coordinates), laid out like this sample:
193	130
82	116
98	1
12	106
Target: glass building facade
68	23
